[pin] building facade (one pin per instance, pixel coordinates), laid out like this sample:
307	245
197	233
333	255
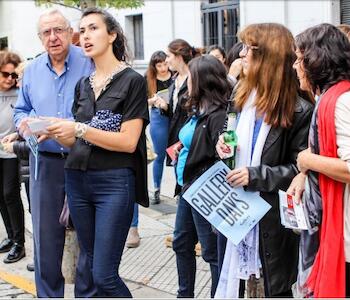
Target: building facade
153	26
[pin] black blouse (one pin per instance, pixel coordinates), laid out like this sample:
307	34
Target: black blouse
163	85
125	96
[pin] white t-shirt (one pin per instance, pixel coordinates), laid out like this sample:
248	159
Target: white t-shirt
342	126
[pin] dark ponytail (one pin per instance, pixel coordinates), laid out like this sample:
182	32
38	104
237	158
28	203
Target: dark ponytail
184	49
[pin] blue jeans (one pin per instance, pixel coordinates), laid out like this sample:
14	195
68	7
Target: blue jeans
189	227
221	245
135	216
47	198
159	130
101	204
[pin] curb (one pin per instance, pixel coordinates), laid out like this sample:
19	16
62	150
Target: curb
19	282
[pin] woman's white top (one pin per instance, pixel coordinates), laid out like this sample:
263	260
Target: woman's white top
7	102
342	126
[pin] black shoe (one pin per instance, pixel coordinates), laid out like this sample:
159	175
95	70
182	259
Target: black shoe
156	197
6	245
16	253
30	267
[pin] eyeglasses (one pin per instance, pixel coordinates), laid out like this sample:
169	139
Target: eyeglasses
7	75
56	31
246	49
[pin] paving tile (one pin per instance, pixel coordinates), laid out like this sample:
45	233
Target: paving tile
5	286
11	292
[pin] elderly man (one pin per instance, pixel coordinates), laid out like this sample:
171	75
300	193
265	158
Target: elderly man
48	90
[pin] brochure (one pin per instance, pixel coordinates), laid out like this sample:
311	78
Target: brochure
293	213
164	94
39	126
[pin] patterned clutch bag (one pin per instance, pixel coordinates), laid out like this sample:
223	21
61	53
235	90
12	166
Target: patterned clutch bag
105	120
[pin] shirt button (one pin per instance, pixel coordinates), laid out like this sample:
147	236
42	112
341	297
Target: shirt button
59	113
59	95
67	68
265	235
268	254
56	77
61	149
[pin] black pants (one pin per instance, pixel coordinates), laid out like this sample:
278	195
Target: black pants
11	207
347	280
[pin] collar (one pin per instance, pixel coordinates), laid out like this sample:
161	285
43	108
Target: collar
67	60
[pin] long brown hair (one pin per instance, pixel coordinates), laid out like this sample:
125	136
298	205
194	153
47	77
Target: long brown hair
210	88
271	73
151	74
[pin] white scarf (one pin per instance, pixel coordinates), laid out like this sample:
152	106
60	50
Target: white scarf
243	260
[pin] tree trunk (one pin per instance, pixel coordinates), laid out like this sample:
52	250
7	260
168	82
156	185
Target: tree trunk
87	3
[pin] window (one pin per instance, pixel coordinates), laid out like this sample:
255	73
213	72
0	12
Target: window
345	12
220	21
3	43
134	32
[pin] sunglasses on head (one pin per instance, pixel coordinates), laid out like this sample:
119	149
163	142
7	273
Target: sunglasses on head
7	74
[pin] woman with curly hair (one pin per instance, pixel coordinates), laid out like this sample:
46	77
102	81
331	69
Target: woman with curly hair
323	67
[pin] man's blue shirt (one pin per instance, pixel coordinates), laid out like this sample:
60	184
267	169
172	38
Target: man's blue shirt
44	93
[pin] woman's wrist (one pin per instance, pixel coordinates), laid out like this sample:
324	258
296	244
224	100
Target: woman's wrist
80	129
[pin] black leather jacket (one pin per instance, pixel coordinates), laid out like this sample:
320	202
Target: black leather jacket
202	154
279	246
178	117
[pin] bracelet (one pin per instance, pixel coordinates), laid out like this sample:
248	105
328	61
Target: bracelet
80	129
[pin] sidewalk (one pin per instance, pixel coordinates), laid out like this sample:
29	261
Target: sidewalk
149	270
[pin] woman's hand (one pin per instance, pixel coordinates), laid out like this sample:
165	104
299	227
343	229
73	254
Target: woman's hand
62	130
9	138
152	101
177	148
160	103
238	177
235	68
8	147
221	148
303	159
297	187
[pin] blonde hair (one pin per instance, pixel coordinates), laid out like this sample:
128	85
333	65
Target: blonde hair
20	68
271	73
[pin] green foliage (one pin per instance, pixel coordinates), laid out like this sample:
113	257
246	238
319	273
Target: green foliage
82	4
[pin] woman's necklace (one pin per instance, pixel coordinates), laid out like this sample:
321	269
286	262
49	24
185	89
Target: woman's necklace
99	87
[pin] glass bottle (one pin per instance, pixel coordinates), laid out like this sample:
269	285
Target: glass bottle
231	140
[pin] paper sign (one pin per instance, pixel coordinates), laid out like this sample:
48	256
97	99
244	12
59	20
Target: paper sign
38	126
232	211
292	212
